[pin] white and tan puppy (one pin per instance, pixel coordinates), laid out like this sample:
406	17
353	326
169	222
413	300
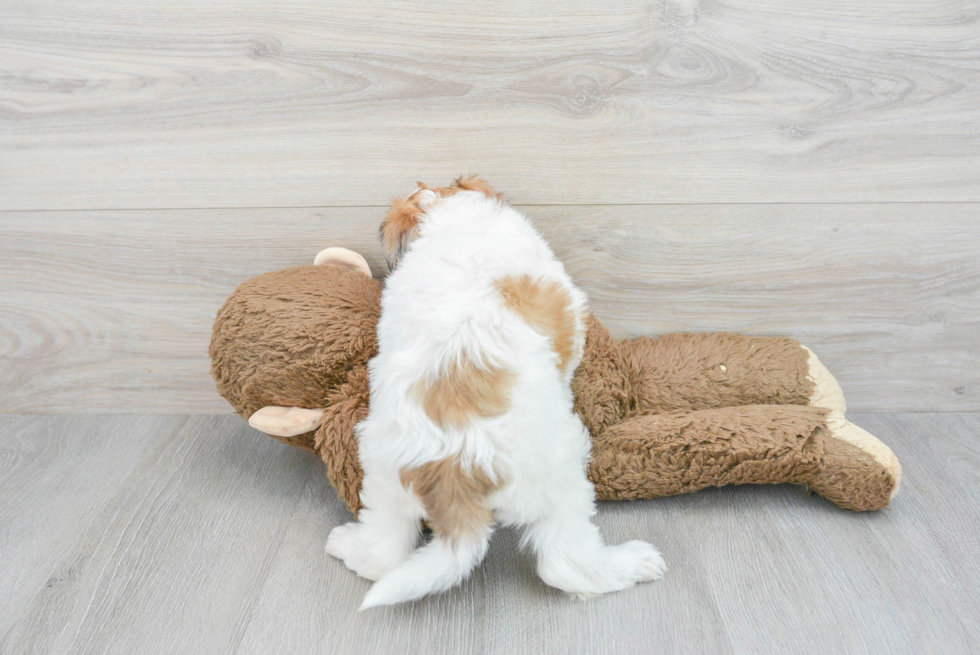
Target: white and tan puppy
471	420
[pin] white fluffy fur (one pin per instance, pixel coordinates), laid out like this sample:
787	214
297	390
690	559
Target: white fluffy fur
441	302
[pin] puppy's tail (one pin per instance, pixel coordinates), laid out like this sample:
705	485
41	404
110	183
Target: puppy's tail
434	568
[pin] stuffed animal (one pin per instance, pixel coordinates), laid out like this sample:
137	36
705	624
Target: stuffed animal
668	415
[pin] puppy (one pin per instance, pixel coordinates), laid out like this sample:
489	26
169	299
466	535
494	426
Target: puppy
471	420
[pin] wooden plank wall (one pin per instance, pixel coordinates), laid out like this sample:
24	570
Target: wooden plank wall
809	169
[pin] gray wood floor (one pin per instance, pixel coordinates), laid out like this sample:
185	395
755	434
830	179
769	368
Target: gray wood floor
169	534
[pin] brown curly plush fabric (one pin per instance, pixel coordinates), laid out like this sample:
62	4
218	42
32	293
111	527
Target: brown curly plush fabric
668	415
679	451
617	380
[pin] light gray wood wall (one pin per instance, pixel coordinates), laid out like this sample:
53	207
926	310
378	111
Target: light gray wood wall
173	103
809	169
112	310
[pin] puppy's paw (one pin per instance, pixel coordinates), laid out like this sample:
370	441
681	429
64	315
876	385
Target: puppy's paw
364	558
614	568
341	541
640	562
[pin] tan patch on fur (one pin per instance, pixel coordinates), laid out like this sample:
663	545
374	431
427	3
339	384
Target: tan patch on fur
474	183
464	391
547	307
442	191
401	225
455	500
399	228
468	183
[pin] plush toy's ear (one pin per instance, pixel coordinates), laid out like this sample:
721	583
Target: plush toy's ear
342	257
286	421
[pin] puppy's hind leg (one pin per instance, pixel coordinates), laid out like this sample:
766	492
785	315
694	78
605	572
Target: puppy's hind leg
386	531
571	553
457	507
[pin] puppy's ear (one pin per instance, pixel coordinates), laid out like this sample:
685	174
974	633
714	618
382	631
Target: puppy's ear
399	229
475	183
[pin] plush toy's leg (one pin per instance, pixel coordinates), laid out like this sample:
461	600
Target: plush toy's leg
837	475
683	451
703	371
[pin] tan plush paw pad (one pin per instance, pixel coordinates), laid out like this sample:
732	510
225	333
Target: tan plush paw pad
826	392
286	421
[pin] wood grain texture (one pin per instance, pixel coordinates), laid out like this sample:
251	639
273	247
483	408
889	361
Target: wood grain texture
112	310
677	614
940	454
308	588
213	542
56	476
855	586
176	559
244	103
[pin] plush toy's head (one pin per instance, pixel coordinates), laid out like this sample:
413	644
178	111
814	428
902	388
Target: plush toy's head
295	337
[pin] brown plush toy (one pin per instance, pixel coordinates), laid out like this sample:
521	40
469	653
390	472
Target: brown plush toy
667	415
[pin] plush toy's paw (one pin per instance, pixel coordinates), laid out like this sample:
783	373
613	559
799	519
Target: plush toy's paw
367	560
826	392
344	258
841	428
286	421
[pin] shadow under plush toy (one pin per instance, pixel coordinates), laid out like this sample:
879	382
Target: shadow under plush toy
668	415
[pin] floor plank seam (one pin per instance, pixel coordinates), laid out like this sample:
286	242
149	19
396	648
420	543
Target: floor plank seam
760	203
